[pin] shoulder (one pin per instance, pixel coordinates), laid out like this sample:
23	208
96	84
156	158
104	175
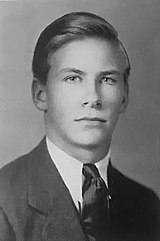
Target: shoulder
13	177
140	200
140	190
13	172
128	184
130	191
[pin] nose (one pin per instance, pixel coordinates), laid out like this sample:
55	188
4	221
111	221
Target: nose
92	97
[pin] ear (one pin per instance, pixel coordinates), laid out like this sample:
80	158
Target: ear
124	100
39	95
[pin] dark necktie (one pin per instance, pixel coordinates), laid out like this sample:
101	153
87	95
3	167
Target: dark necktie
95	206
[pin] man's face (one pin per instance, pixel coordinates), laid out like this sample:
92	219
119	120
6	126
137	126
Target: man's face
84	93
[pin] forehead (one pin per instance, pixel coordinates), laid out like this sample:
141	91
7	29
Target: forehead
88	54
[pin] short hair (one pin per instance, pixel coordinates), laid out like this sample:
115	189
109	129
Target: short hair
70	27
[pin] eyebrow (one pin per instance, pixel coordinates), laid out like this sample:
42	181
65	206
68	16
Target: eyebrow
74	70
109	72
80	72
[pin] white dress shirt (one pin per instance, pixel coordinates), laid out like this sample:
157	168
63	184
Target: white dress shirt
70	170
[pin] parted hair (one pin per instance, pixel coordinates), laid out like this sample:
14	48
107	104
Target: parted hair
71	27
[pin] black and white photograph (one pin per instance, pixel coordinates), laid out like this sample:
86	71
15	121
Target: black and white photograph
79	120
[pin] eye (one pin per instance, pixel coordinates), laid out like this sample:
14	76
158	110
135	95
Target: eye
73	79
109	80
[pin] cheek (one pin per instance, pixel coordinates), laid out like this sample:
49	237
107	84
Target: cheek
112	106
54	102
60	104
113	98
68	97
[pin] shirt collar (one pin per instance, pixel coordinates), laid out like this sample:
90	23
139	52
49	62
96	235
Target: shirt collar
70	169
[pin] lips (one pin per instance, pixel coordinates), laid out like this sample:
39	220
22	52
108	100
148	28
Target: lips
94	119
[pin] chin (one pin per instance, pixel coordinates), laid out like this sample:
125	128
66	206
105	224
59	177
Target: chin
92	141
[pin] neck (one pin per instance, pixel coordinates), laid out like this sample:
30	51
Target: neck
85	154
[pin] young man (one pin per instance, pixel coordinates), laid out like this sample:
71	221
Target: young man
66	189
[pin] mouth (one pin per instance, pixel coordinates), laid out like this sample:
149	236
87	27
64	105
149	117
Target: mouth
91	119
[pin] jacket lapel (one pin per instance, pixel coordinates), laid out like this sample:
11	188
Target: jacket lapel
48	194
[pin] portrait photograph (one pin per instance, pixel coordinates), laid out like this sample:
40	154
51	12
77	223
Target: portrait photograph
79	120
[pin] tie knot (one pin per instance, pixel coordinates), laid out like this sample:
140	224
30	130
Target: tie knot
90	171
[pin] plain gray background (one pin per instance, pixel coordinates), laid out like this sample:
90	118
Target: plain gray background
135	147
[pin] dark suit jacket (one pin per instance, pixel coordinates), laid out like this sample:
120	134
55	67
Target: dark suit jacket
35	204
